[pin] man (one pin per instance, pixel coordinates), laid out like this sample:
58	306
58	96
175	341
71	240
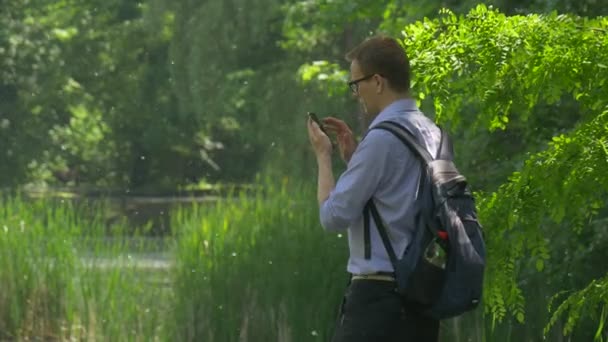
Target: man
382	168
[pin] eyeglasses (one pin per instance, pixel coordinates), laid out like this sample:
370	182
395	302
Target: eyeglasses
354	84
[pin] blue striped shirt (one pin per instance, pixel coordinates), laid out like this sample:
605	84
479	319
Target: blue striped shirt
383	168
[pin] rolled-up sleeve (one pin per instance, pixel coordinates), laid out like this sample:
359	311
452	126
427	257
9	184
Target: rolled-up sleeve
357	184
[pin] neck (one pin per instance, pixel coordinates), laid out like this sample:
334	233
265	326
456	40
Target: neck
385	101
391	97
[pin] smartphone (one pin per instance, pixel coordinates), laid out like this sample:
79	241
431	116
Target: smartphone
314	118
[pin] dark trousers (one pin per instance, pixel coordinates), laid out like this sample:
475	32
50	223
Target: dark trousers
373	312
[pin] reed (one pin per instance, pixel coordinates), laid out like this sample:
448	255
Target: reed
257	266
54	286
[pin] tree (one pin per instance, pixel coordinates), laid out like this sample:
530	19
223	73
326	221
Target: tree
488	78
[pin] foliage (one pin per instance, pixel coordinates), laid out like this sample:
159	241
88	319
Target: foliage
88	87
240	92
564	182
488	78
329	28
26	62
115	93
590	301
157	94
486	70
504	80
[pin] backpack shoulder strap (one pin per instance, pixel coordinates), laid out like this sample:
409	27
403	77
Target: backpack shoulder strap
408	139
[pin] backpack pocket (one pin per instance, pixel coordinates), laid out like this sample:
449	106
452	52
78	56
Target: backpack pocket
425	284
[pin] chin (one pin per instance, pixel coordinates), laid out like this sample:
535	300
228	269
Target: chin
367	115
370	114
365	112
365	119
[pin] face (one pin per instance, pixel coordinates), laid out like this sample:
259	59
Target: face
364	90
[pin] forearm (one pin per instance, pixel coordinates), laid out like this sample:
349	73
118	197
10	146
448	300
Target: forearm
326	181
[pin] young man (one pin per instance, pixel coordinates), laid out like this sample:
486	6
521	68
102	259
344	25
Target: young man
382	168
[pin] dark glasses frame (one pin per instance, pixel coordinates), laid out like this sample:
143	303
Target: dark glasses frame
354	84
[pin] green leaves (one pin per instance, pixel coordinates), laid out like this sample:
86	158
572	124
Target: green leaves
64	35
514	64
527	84
592	301
326	76
564	183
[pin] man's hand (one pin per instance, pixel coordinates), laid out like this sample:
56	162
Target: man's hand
322	146
344	136
319	140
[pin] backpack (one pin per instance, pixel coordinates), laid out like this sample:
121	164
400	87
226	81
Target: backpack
440	273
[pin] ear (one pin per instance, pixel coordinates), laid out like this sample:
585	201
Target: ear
380	84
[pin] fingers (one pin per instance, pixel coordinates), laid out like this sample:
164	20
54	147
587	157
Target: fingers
319	140
331	129
335	125
331	121
343	140
313	128
314	131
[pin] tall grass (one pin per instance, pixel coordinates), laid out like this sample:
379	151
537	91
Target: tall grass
257	267
53	286
37	268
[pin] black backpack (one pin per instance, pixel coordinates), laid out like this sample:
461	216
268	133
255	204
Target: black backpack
441	271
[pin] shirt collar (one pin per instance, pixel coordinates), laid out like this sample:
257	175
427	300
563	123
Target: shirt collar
396	108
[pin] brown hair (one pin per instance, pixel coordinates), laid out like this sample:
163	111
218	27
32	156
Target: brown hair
384	56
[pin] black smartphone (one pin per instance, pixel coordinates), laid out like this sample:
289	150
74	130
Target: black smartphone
314	118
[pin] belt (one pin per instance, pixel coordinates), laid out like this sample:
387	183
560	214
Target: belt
376	276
